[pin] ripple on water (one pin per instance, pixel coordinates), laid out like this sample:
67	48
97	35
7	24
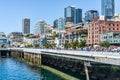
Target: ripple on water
10	69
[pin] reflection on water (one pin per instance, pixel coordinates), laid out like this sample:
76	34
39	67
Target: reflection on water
10	69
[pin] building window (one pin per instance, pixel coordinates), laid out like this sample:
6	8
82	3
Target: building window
117	24
113	28
113	24
117	28
109	29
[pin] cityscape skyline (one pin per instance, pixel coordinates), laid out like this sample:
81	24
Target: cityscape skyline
12	12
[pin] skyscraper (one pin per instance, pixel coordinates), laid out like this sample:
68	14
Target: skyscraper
78	16
40	27
69	13
90	14
26	26
55	23
73	15
108	8
61	23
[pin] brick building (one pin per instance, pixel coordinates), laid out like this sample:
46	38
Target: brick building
101	26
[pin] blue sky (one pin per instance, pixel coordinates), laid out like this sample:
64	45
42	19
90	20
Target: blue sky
13	11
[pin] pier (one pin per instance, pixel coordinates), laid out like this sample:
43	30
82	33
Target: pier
67	59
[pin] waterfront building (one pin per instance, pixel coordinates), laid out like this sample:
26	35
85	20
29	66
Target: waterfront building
100	26
15	37
39	27
73	15
30	41
76	32
112	37
47	36
3	39
89	15
108	8
26	26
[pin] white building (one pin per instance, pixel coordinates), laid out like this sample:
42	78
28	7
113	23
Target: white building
3	39
39	27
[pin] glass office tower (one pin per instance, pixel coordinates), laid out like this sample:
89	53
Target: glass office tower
108	8
90	15
78	16
69	14
73	15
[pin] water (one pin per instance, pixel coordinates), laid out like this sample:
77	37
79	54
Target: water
11	69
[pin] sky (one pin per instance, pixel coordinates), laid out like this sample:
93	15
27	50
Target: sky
13	11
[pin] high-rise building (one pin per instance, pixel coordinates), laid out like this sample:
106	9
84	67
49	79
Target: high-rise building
89	15
78	16
59	23
108	8
55	23
73	15
26	26
39	27
69	13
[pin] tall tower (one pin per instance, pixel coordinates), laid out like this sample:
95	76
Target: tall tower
78	16
26	26
108	8
55	23
40	27
73	15
61	23
90	15
69	14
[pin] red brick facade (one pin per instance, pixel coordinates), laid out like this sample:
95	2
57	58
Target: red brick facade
97	27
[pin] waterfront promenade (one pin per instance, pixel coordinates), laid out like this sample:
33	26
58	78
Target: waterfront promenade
112	58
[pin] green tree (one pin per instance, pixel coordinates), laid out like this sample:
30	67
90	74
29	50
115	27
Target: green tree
74	44
105	44
66	45
28	35
47	45
55	35
82	43
36	45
